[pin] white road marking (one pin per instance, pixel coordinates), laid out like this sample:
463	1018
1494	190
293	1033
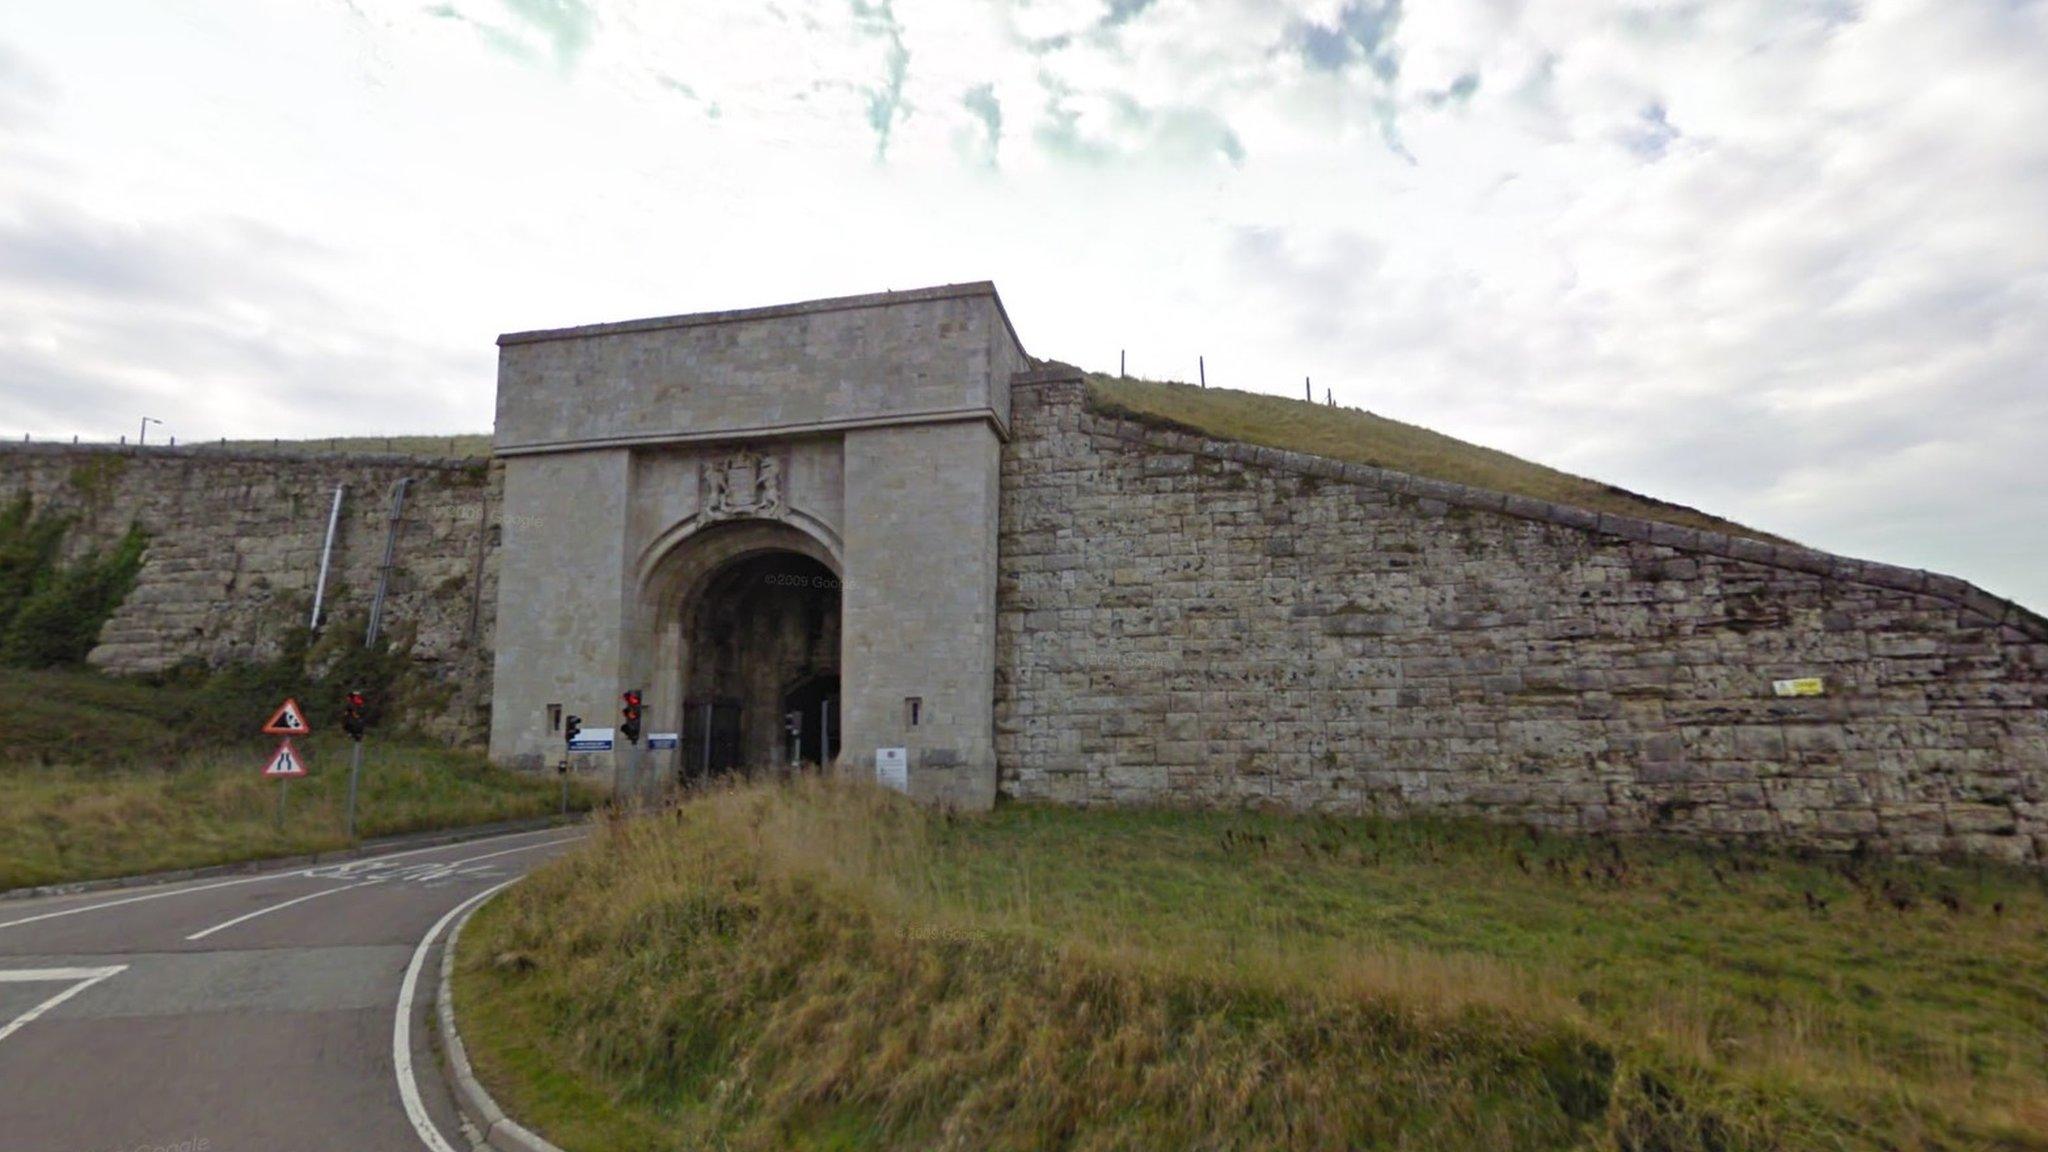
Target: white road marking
401	1028
509	851
433	871
148	896
46	975
428	870
85	977
248	916
251	880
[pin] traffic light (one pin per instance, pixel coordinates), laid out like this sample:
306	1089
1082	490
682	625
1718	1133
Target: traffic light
572	727
353	721
629	713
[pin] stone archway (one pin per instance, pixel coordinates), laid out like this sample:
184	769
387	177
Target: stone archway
740	621
760	674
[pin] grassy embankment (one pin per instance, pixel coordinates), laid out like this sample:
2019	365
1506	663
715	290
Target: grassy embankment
823	967
108	777
1360	437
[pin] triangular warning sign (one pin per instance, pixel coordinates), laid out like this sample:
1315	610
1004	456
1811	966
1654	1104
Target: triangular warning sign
287	721
285	761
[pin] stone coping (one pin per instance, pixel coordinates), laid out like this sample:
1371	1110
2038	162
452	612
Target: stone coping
807	430
774	312
1993	610
246	455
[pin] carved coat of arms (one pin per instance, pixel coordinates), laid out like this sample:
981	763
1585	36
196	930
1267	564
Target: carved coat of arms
742	484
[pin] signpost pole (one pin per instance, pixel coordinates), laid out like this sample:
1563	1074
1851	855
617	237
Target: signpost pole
563	771
355	771
284	785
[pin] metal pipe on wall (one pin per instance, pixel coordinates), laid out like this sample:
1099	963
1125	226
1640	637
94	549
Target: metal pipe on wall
326	555
390	546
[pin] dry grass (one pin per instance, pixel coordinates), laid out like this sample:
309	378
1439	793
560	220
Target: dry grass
59	824
1363	438
101	776
826	967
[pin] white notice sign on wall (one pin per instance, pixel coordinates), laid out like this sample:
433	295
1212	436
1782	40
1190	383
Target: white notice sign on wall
892	768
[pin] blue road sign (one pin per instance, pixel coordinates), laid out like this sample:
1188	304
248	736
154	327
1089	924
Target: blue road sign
592	740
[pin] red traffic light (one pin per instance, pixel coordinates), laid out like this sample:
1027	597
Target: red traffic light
352	720
629	712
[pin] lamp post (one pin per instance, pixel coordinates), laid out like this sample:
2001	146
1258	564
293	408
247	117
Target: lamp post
142	434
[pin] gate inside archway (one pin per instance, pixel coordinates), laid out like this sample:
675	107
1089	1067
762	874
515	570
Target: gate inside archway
760	675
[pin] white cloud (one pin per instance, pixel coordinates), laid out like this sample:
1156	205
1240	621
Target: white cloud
1785	261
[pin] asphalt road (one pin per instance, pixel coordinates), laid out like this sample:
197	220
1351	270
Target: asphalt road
267	1013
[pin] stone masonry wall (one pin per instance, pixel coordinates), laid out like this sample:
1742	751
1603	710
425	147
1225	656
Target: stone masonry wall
235	554
1186	621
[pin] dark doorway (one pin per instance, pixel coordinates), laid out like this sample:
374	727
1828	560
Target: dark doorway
761	642
710	739
813	705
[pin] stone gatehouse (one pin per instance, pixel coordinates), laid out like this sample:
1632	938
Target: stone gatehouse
755	516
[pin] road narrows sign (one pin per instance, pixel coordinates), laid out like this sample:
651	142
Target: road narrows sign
288	720
285	762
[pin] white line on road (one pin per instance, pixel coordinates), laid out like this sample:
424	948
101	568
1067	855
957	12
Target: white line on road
444	870
248	916
243	880
86	977
401	1028
46	975
454	864
148	896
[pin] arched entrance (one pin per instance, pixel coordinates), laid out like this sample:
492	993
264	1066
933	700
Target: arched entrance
752	613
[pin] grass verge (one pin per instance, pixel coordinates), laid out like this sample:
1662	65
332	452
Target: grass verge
1360	437
102	777
817	966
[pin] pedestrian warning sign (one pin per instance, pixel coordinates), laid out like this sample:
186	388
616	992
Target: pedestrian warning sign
288	720
284	762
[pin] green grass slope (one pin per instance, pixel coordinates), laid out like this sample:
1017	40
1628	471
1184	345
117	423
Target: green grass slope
822	967
1362	438
108	777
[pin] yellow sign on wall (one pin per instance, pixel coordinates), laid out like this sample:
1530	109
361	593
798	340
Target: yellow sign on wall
1803	686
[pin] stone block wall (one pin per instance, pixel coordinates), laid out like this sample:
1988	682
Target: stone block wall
235	554
1188	621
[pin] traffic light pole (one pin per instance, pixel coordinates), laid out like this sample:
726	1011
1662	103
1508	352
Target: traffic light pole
355	772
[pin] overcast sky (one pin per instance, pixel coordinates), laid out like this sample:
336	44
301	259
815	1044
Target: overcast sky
1784	261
